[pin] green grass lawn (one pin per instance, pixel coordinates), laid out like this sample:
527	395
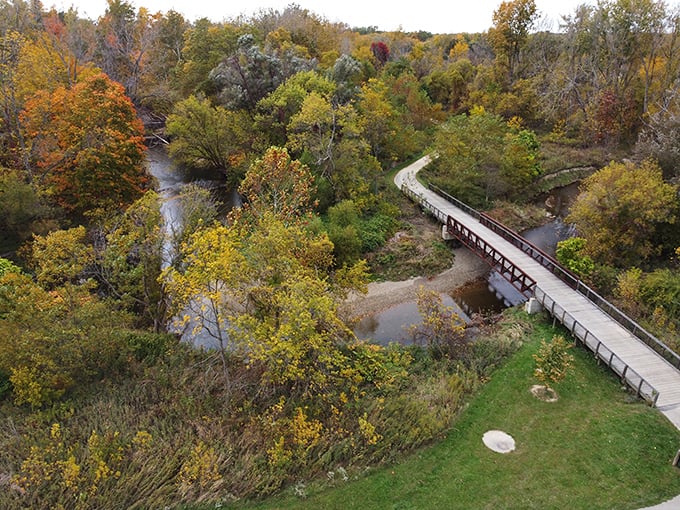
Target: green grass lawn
594	448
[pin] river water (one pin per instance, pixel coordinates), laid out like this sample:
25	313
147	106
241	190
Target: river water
170	180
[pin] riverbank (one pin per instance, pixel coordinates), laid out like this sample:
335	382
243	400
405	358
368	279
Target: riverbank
466	267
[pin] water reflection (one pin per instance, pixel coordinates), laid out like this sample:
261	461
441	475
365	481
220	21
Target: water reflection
394	324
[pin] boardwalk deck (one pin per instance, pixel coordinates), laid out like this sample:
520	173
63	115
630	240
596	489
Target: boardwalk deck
601	332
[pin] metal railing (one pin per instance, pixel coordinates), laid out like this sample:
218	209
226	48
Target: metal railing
552	265
504	266
638	383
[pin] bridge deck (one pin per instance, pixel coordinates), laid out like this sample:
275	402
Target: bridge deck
615	338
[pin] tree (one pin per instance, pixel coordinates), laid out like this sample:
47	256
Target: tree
129	260
21	207
87	143
660	137
330	138
570	253
124	39
250	73
512	22
265	291
278	185
204	136
205	46
380	52
61	257
553	361
620	209
477	153
274	112
441	330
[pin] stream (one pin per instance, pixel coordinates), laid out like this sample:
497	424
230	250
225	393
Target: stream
171	179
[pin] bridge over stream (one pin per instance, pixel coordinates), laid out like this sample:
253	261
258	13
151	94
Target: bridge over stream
647	365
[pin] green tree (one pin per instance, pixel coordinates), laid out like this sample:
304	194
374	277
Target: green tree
274	112
21	207
205	45
128	262
204	136
570	253
329	138
620	209
470	150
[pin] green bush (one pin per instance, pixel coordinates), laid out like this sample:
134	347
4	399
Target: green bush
148	346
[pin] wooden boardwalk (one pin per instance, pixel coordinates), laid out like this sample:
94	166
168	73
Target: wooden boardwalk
640	366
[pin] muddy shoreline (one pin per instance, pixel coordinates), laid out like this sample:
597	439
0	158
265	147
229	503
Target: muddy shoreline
466	268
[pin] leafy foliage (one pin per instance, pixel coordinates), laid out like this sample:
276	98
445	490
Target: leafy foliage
442	330
204	136
278	185
52	340
88	146
620	209
570	253
481	157
553	361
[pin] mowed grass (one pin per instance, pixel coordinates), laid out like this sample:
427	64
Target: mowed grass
594	448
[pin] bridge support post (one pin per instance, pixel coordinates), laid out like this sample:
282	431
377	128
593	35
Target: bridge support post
446	235
532	306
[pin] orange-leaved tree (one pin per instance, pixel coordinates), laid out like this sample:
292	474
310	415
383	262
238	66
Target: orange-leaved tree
87	143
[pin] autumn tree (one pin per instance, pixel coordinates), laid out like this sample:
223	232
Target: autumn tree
553	361
512	22
206	136
279	185
380	52
660	136
441	330
87	144
330	138
61	257
121	258
620	210
265	291
124	39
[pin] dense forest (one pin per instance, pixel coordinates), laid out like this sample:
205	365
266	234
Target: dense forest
103	406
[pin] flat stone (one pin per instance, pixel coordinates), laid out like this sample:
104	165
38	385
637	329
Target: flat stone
498	441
